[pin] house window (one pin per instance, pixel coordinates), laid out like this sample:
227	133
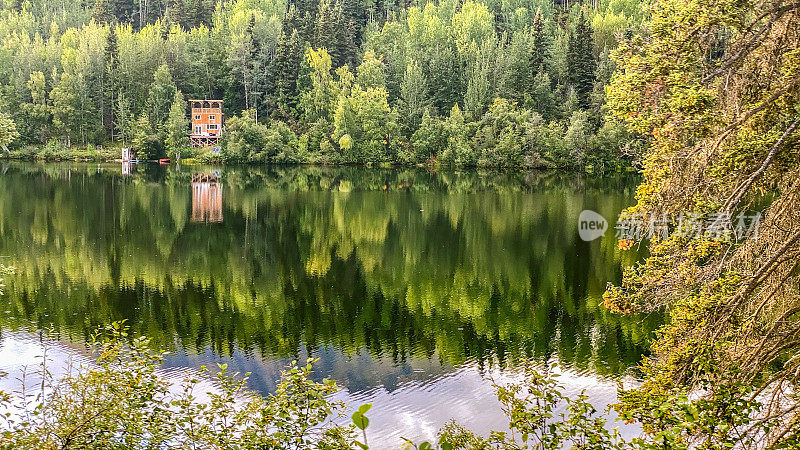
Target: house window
212	117
212	126
198	130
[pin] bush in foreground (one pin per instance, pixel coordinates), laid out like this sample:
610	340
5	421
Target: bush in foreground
120	401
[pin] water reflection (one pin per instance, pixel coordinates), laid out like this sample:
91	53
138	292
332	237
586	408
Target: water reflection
206	198
396	279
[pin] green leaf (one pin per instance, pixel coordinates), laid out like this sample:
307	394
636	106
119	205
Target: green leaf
360	420
364	408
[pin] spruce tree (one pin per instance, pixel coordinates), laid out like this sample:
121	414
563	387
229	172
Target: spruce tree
581	64
110	81
444	82
200	13
285	68
122	10
176	13
354	20
102	12
540	46
329	31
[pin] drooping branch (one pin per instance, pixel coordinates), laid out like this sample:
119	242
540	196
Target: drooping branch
740	191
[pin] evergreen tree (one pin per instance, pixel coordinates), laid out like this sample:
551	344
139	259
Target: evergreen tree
519	76
540	46
177	125
581	63
110	81
124	125
200	13
122	10
102	12
444	81
285	69
176	13
430	139
146	139
478	91
542	98
354	20
329	32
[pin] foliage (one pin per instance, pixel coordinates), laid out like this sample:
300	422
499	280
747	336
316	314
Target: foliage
82	74
711	93
8	131
531	407
147	141
177	125
245	138
83	408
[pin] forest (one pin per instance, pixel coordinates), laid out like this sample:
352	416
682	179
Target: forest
498	83
703	96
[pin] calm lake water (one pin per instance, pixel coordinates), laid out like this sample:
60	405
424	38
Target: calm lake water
413	288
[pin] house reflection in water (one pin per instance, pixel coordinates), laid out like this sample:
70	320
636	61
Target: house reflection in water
206	198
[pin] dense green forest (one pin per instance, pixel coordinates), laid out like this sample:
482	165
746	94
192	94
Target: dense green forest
495	83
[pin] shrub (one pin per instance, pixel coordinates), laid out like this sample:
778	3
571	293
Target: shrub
122	402
244	138
281	144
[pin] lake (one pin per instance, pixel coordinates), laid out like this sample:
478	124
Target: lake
415	289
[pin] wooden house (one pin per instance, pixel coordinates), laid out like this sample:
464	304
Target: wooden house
206	122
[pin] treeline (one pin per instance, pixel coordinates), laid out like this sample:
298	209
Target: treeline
490	83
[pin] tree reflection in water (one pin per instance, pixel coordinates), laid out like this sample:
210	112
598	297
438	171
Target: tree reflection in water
375	267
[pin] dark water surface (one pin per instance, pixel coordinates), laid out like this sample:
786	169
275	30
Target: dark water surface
411	287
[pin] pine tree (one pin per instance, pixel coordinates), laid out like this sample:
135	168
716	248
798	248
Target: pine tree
354	20
444	81
329	32
146	140
542	99
198	13
581	63
122	10
478	91
519	76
